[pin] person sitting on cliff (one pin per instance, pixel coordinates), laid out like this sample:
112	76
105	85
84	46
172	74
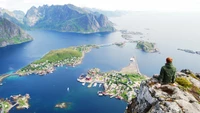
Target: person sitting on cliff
167	73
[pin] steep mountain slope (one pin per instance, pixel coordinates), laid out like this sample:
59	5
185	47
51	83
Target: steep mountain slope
67	18
19	15
14	17
11	33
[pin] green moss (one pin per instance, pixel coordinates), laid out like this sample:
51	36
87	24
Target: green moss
183	82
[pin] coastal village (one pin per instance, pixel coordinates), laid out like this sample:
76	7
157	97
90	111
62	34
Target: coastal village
120	85
21	102
56	58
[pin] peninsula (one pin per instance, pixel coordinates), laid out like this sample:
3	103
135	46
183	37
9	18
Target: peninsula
71	56
21	102
118	84
3	77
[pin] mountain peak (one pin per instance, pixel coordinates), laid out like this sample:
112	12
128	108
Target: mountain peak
11	33
67	18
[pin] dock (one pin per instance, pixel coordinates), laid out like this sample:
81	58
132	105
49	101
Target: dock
90	85
132	67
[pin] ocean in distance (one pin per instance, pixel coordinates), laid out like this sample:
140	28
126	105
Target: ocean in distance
169	30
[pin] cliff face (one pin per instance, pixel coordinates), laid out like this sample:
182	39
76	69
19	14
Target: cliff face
14	17
67	18
11	33
182	98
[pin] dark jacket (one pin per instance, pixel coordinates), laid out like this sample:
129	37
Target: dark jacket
167	74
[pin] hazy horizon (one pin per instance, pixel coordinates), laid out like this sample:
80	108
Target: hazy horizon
126	5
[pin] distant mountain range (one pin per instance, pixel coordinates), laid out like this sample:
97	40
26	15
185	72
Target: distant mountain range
11	34
63	18
15	17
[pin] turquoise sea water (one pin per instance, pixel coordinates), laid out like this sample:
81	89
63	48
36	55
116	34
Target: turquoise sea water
169	31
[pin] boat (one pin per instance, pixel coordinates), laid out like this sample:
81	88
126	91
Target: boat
100	93
68	89
95	84
83	83
132	59
1	84
99	85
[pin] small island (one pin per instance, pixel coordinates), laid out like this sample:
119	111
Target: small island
147	46
189	51
131	32
120	44
120	85
71	56
21	102
61	105
127	36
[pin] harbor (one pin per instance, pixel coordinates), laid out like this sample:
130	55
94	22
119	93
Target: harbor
116	84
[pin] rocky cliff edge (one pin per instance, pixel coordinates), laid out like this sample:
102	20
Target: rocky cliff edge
183	97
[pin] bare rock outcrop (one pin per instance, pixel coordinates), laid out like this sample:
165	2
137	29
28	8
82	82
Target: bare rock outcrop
184	97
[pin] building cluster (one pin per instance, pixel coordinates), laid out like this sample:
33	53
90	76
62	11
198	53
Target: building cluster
116	84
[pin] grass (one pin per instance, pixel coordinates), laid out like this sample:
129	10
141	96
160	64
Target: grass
195	91
63	56
21	102
14	40
124	95
186	85
192	75
6	103
59	55
135	77
184	82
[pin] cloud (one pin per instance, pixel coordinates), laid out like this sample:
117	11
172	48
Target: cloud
141	5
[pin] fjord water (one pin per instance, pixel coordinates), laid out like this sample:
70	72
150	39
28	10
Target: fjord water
169	30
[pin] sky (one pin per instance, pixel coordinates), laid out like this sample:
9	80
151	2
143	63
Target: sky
131	5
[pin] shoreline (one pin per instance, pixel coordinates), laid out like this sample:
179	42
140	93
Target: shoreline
50	68
116	84
2	77
18	101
